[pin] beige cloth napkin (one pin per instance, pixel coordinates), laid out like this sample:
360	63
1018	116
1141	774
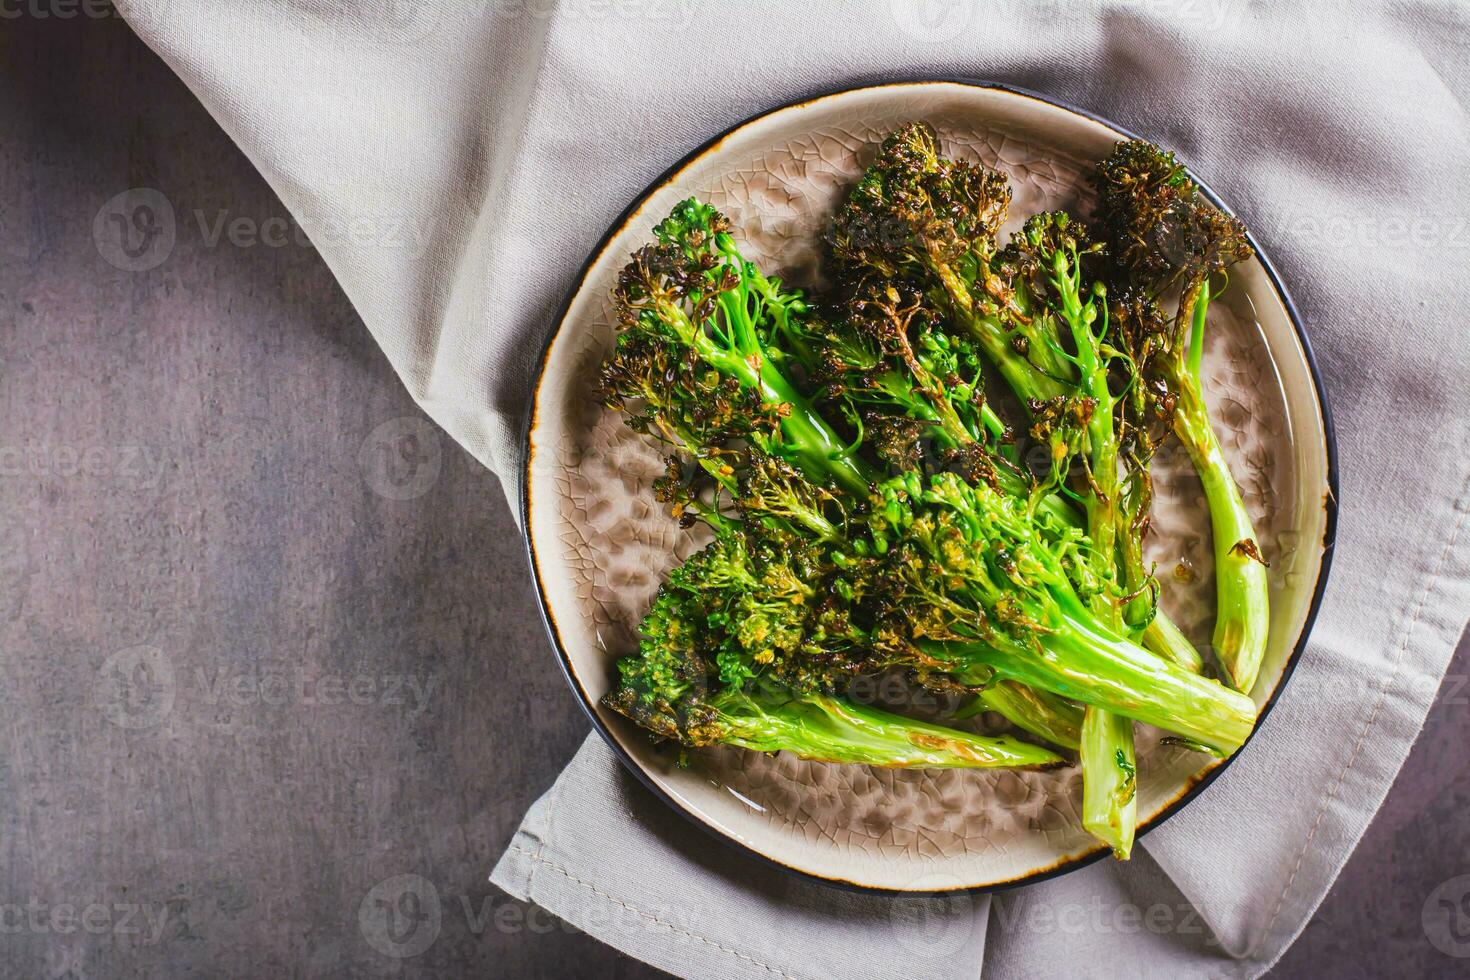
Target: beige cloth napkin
454	162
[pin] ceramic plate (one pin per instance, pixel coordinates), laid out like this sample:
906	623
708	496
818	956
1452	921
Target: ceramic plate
599	544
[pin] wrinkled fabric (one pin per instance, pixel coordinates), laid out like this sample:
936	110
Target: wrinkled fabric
454	162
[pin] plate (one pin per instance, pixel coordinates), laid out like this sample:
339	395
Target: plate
599	544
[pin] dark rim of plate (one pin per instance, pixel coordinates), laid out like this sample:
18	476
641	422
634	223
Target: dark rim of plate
1330	503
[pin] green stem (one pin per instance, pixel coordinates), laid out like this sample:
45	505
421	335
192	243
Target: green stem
1023	377
1039	712
992	422
1139	611
818	448
719	523
1084	663
1242	601
1109	780
1108	756
1169	642
1197	329
826	729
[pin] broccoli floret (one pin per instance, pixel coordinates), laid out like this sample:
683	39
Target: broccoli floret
1161	230
741	648
697	319
915	210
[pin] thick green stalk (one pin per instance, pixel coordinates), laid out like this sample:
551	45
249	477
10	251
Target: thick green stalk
994	339
1087	664
818	448
1242	613
826	729
1039	712
1019	373
1165	639
1107	755
1109	780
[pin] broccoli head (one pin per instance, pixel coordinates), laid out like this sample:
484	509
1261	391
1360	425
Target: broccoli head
1160	228
915	211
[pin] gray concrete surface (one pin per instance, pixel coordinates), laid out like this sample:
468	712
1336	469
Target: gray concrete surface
267	640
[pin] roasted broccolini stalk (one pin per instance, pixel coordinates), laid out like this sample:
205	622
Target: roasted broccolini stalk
743	646
691	304
1166	240
969	579
1041	713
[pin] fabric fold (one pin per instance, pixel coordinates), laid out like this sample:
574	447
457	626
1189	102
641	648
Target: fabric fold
672	896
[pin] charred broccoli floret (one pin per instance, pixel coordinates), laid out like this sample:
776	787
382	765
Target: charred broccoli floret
975	579
744	646
698	319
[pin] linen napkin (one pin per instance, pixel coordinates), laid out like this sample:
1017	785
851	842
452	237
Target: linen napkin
455	161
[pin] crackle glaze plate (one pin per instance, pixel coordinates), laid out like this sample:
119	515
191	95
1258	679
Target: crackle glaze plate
599	544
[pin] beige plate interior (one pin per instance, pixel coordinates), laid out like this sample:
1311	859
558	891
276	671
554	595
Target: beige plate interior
600	544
